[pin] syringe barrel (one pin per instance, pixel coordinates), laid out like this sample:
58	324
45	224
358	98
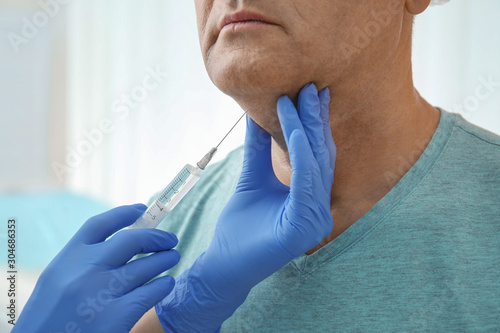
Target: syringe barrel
169	197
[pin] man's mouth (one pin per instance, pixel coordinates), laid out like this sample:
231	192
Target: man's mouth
243	18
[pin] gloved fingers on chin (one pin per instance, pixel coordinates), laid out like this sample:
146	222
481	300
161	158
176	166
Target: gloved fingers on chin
314	149
310	116
311	109
101	226
124	245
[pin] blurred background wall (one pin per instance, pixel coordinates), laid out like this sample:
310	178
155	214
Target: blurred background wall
102	102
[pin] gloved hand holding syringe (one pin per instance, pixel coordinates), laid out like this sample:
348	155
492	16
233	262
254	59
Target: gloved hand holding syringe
176	190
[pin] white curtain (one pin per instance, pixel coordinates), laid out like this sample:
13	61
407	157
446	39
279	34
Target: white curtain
113	45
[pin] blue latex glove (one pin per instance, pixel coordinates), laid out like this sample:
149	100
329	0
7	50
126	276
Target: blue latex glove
90	287
265	224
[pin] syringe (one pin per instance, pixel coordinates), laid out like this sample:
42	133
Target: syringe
176	190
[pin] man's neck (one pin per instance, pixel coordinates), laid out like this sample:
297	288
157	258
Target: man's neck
379	135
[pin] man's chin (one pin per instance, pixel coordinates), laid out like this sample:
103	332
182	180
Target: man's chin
257	85
246	72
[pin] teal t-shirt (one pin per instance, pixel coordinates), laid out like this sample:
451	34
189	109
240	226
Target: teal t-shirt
426	257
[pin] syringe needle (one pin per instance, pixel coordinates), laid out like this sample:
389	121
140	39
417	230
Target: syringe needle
231	129
202	164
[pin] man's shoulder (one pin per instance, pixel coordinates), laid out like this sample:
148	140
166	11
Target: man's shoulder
472	147
468	168
477	135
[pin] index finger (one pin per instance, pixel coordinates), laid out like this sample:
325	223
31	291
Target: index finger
123	246
101	226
